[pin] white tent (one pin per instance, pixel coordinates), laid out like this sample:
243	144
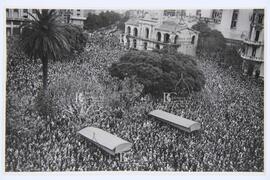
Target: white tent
176	121
108	142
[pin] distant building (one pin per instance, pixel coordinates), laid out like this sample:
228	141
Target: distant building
15	17
252	51
243	27
232	23
77	17
152	33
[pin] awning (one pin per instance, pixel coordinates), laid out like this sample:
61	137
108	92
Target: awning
176	121
108	142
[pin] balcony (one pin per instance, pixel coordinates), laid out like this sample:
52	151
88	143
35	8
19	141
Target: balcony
250	58
256	43
153	41
16	18
256	24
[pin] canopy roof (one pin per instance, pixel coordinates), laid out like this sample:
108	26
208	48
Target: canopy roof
176	121
108	142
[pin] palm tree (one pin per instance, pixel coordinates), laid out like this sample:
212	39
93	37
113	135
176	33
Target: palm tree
45	38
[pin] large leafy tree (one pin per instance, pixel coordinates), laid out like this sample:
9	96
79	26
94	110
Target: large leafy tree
214	44
45	38
160	71
104	19
209	40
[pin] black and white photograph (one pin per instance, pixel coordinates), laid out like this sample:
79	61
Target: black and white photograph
164	90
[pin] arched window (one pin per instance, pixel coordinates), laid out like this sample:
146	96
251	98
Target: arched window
166	38
159	36
192	39
147	33
175	39
135	32
128	30
134	43
145	46
157	46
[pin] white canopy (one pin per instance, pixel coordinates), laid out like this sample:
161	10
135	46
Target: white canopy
108	142
176	121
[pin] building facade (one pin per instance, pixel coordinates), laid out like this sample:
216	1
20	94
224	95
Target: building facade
77	17
232	23
152	33
252	50
15	17
245	28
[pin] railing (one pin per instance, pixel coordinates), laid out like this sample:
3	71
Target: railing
154	41
16	18
257	24
251	58
248	41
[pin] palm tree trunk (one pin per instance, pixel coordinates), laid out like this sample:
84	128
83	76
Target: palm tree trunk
45	74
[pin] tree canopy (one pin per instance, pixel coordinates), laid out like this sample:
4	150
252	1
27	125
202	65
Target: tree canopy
209	40
94	21
160	71
214	44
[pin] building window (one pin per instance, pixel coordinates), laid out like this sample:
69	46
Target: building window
157	46
217	15
234	18
166	38
135	32
8	31
145	46
25	11
257	35
147	33
7	13
260	18
158	36
192	39
253	51
78	14
134	43
128	30
16	13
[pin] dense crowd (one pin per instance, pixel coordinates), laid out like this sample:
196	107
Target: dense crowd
230	110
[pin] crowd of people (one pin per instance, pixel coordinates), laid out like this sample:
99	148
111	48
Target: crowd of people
229	108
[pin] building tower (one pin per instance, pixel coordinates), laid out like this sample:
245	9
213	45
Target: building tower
252	51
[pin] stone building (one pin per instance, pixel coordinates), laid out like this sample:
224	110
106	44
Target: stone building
153	33
252	50
242	28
